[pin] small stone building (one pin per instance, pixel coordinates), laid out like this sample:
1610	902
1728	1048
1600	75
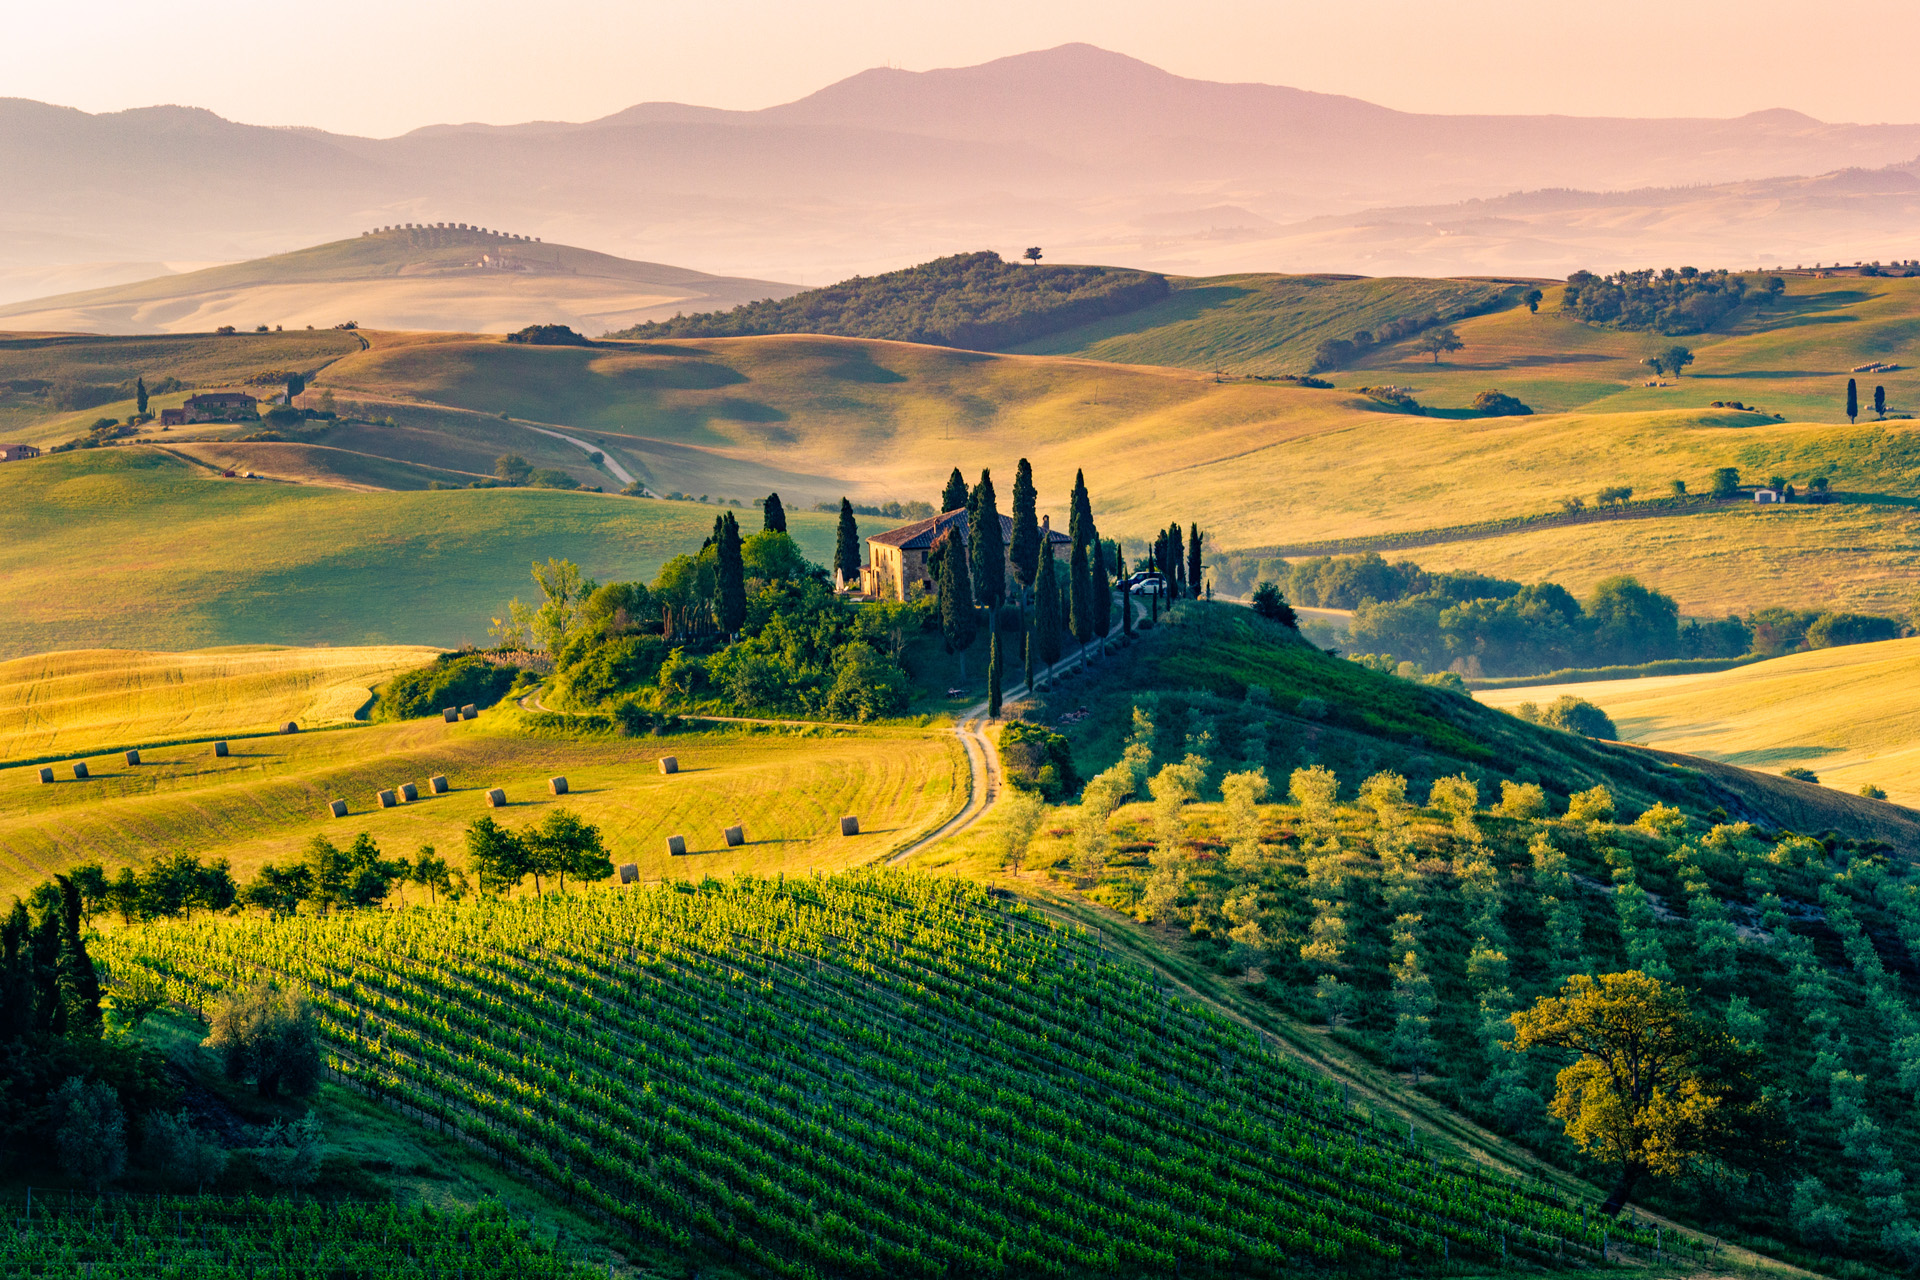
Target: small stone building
897	559
220	406
15	452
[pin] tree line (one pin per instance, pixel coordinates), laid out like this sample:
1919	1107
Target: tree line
1682	300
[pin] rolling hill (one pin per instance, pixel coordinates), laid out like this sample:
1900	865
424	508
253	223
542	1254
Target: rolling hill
1844	713
427	278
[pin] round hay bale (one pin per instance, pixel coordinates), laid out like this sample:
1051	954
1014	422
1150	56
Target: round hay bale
337	808
386	799
133	757
449	714
46	774
676	846
496	799
629	872
219	748
734	836
409	792
290	727
469	712
849	826
669	765
557	785
437	784
80	769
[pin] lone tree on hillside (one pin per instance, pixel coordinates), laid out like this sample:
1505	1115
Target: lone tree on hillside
773	516
1879	402
846	545
954	496
1853	400
1726	483
1655	1089
1671	361
1440	342
1533	300
1032	255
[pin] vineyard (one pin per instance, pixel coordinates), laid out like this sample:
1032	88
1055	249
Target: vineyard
875	1073
210	1238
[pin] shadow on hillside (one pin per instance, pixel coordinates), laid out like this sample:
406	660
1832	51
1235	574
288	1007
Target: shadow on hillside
1774	755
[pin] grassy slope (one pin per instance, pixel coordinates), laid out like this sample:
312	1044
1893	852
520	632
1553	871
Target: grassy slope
1848	714
94	700
133	548
268	798
1258	323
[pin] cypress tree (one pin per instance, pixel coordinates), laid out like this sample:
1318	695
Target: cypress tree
140	394
1047	609
733	577
1126	613
1026	650
1080	598
1100	593
989	550
774	516
1194	575
958	623
1079	511
993	676
1853	400
1880	401
1176	563
955	495
846	545
1024	551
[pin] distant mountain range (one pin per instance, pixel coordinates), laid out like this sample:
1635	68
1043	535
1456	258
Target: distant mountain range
1090	154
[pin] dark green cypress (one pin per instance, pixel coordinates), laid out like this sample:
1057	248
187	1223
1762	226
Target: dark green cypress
1853	400
1100	593
1047	607
1195	575
140	395
1024	551
846	545
993	676
773	517
1176	563
1126	613
1026	650
1079	511
733	577
988	546
1080	598
955	495
958	621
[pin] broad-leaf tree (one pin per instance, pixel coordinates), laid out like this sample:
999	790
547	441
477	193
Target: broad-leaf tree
1440	342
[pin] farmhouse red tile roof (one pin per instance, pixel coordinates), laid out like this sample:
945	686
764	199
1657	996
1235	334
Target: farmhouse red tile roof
921	534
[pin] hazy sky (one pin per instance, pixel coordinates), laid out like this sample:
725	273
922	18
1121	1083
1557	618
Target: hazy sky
391	65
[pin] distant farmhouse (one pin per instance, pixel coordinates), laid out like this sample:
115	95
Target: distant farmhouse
15	452
213	406
897	559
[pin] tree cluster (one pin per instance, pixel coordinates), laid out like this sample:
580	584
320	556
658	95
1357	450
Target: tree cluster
1682	300
970	300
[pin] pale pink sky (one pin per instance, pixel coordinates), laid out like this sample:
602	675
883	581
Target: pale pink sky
387	66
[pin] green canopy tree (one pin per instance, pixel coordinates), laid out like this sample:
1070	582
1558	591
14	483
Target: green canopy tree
1533	300
497	855
846	544
986	549
562	845
773	516
1024	551
954	496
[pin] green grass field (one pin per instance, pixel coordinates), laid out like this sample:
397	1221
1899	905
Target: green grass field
95	700
133	548
1849	714
268	798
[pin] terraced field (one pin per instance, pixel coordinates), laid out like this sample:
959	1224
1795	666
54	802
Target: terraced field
267	799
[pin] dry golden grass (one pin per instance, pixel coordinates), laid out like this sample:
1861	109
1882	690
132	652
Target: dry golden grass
96	699
1852	714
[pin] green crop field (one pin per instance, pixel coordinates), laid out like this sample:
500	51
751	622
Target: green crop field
268	798
96	700
1849	714
133	548
875	1073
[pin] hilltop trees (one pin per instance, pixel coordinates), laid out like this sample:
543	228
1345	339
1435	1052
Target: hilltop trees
1032	254
1669	301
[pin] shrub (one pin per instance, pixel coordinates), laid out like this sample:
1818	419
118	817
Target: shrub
183	1154
1522	800
1799	774
1595	805
91	1133
1271	605
1498	404
1577	715
1830	630
1038	759
450	680
1872	792
549	335
268	1037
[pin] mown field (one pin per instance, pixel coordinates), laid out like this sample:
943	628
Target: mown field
1850	714
95	700
268	798
133	548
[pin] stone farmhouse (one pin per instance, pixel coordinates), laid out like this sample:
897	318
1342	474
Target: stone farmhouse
897	559
15	452
220	406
